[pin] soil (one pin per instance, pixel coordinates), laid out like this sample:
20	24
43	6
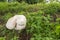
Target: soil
24	35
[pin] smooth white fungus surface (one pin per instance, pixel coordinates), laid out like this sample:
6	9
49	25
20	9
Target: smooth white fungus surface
17	22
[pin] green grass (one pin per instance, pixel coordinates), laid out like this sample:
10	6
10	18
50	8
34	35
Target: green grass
2	38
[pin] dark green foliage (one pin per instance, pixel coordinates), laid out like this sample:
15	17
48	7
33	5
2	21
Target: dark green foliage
19	0
31	1
2	0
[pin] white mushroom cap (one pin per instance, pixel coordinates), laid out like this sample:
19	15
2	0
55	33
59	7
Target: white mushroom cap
17	22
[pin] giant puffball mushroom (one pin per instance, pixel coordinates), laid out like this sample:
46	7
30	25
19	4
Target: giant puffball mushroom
17	22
